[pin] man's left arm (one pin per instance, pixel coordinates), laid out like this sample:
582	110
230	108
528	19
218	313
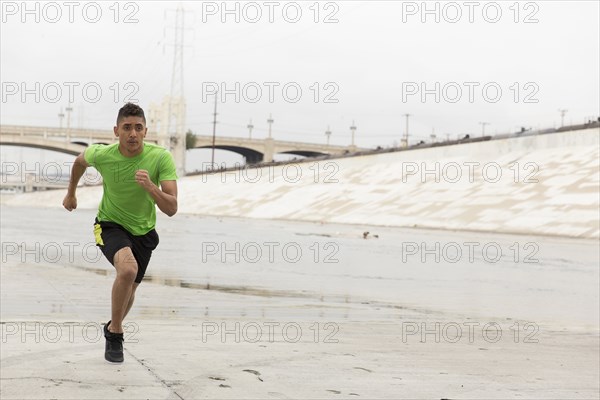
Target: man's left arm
165	197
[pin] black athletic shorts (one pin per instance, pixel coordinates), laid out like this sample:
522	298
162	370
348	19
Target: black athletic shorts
112	237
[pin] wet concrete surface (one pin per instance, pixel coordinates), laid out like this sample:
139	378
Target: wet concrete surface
375	321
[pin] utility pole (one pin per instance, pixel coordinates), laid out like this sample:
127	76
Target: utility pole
562	117
250	127
406	132
212	163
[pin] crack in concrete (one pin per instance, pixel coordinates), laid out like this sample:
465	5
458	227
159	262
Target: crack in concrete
61	380
155	375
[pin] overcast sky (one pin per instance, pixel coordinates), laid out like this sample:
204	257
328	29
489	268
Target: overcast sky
366	62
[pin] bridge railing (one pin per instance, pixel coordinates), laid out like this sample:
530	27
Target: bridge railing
62	133
47	132
201	139
39	130
108	135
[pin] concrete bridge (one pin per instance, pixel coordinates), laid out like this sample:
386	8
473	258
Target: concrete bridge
74	141
55	139
257	150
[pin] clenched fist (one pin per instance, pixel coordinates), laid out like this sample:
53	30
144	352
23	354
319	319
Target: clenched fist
70	202
143	179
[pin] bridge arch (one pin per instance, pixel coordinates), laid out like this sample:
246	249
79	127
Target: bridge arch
71	148
303	153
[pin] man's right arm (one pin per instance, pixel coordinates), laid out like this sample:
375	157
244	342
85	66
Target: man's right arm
79	167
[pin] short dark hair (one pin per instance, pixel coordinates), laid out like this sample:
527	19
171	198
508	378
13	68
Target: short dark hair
130	110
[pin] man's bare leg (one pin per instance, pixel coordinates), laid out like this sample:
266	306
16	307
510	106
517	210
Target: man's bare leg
131	298
122	289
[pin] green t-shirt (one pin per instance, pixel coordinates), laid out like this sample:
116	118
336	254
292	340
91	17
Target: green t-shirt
124	201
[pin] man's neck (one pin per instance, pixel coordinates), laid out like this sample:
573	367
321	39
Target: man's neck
126	153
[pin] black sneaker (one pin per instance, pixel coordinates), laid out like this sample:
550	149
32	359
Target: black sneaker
114	345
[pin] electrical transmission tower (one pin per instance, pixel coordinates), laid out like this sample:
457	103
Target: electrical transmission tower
172	115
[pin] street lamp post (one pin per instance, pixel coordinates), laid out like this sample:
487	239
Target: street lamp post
483	124
270	122
68	110
61	115
250	127
562	117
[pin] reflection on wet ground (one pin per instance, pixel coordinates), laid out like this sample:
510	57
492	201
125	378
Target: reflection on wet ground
196	317
311	303
334	265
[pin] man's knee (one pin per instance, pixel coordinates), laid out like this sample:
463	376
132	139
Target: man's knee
127	273
125	264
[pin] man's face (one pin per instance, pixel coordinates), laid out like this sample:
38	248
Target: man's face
131	132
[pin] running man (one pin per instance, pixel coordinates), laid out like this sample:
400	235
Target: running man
124	228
